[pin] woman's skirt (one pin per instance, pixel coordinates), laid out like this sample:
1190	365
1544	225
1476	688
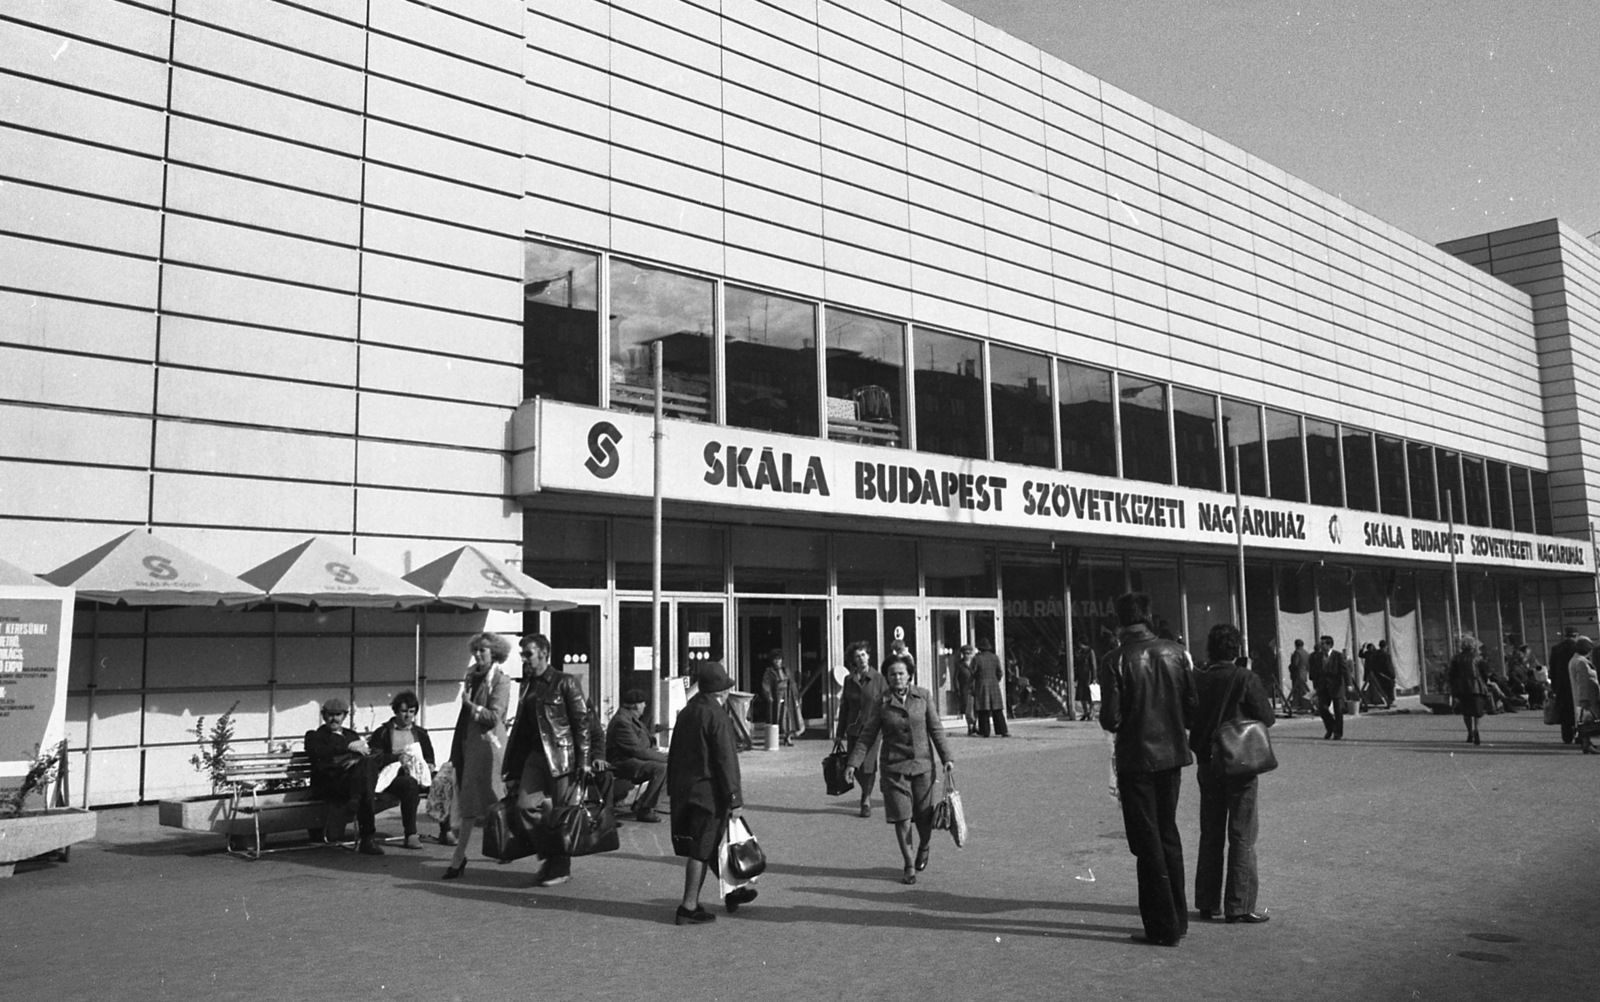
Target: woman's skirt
907	798
1471	707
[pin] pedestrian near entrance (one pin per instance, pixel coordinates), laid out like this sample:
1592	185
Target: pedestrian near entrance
1469	687
989	704
862	687
1084	668
1332	678
1299	679
964	684
1561	684
631	750
1147	699
547	756
778	686
1585	694
704	784
1228	817
479	741
907	722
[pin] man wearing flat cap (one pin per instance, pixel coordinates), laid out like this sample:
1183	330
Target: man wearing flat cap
703	779
343	774
631	750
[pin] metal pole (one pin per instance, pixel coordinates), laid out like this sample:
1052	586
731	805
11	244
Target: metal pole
1455	581
1238	529
655	544
1596	574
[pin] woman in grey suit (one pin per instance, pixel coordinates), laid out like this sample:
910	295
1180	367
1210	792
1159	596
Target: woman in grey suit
905	718
480	740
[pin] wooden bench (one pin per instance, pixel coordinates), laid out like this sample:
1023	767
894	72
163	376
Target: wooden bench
270	795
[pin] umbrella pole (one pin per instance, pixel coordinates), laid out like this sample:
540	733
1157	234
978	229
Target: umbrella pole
272	680
88	722
655	547
416	668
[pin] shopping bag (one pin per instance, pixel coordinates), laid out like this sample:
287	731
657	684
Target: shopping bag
1552	712
948	814
589	826
442	792
726	881
386	776
413	761
1241	748
746	859
833	767
509	832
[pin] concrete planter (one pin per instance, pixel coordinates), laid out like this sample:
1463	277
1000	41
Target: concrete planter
28	835
196	814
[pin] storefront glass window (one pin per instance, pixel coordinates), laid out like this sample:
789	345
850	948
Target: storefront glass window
1433	605
1322	457
1241	430
771	359
1368	601
1476	490
633	646
1424	499
1158	578
1207	590
1194	434
1403	645
1447	466
1088	423
1286	469
1521	500
1333	607
949	375
1019	397
1035	618
1097	579
1512	627
560	324
866	379
701	637
1486	610
564	552
1360	481
1143	412
691	556
1499	495
1392	476
1297	610
779	561
1541	503
1266	660
958	570
875	565
649	305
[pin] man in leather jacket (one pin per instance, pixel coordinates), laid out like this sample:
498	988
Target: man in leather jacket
1148	700
547	754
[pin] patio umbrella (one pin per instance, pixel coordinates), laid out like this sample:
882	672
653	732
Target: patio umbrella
468	578
10	574
141	568
318	572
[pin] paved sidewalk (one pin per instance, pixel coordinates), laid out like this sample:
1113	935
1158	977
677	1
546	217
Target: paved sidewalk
1396	864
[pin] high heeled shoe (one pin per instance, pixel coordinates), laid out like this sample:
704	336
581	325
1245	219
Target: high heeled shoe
452	872
922	857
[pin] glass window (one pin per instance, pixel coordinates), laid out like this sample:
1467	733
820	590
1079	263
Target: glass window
1088	424
560	324
771	360
1208	591
1476	490
779	561
1424	499
691	556
1241	429
1542	523
1035	625
866	378
1194	433
959	570
564	552
649	305
1158	578
1019	398
949	374
1521	500
1286	469
875	565
1145	455
1097	580
1392	476
1499	495
1322	458
1448	469
1433	605
1360	481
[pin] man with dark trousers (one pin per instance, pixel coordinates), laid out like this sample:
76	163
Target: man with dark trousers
1331	676
1148	700
344	775
1561	684
631	750
547	753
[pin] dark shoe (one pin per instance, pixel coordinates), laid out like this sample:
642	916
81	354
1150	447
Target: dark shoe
697	917
922	856
866	808
738	896
1140	937
1248	918
1207	916
367	847
908	877
452	872
412	841
647	817
447	838
1477	739
546	877
1326	735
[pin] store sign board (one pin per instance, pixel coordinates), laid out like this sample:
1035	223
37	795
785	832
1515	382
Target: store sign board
35	647
609	452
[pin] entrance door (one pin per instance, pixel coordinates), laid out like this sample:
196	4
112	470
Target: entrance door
799	631
953	628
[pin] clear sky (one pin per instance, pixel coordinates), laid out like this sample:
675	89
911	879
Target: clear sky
1442	117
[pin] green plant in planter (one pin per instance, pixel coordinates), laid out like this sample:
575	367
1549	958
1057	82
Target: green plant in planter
214	747
38	777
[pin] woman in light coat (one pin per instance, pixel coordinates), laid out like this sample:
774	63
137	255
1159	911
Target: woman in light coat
1585	693
480	740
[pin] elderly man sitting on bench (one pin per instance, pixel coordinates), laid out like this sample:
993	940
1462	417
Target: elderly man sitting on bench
631	750
343	774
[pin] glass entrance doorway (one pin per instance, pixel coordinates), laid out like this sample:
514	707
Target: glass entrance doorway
953	628
798	630
692	632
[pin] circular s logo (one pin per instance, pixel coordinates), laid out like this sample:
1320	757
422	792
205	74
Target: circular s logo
160	568
1335	530
341	573
603	459
495	578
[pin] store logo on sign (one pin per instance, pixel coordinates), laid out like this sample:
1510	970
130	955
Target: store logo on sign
603	459
495	578
160	568
342	574
1335	531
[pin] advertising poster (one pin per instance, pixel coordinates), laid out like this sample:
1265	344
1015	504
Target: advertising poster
35	645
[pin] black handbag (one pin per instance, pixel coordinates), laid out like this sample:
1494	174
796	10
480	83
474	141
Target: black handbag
746	859
1241	748
589	826
509	832
833	767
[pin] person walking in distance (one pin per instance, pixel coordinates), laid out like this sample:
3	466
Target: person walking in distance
1148	700
1468	687
862	687
989	704
964	684
479	741
1330	674
704	784
1585	694
1227	806
779	688
1299	679
1561	684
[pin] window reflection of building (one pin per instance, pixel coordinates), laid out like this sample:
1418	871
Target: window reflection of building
865	378
560	324
1286	468
771	362
949	381
1322	459
1499	495
1241	440
1360	480
1447	465
1475	490
1088	420
1143	413
1424	498
648	305
1521	500
1392	493
1019	398
1194	439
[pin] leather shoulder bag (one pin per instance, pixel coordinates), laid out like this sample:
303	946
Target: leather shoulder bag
1240	747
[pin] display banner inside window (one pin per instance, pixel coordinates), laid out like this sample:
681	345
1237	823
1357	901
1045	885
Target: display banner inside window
583	449
35	645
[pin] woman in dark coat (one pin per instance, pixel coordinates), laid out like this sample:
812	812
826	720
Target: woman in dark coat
480	740
782	697
1469	686
988	703
704	783
862	687
905	718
